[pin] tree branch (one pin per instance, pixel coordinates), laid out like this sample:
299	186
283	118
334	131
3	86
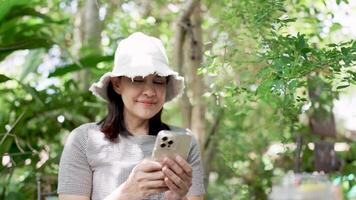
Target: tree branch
214	129
188	10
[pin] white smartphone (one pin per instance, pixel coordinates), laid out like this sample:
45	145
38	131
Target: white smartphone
170	144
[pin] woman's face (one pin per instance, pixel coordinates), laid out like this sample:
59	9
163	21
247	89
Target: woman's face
143	97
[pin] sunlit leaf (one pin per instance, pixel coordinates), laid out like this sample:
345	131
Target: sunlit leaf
336	26
4	78
86	62
7	5
342	86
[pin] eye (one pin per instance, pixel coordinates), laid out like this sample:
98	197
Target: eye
138	80
160	81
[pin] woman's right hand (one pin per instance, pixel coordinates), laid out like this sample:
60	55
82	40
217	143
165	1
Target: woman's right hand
145	179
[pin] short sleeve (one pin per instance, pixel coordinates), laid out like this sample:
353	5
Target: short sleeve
194	159
75	174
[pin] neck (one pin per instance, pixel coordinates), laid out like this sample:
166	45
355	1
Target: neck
136	126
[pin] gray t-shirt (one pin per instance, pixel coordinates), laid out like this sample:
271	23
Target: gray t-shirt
93	166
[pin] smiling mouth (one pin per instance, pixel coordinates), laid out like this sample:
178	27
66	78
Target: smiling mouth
147	103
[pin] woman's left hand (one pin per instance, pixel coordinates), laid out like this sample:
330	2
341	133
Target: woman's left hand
178	177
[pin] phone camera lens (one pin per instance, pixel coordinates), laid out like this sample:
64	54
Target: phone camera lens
164	138
163	145
170	142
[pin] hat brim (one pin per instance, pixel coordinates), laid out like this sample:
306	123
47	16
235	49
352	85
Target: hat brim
174	89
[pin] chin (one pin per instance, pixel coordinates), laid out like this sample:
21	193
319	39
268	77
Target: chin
147	115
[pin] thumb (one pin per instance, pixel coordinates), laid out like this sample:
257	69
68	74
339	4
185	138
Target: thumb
149	165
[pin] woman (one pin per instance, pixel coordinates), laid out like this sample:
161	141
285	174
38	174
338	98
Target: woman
111	159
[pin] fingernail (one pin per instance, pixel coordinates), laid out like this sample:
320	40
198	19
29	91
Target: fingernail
158	164
179	158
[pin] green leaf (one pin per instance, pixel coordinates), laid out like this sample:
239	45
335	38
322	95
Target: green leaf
306	50
6	6
86	62
264	73
339	1
5	146
27	11
342	86
287	20
31	90
4	78
19	32
336	26
345	51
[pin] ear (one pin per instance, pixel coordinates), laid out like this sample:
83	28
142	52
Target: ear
116	84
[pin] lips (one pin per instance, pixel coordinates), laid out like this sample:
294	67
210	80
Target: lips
147	102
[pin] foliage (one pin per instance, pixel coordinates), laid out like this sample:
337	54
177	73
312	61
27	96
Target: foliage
259	75
287	68
23	27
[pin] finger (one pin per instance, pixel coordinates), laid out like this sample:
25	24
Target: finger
177	169
185	177
159	159
174	178
149	166
157	184
173	187
158	175
184	165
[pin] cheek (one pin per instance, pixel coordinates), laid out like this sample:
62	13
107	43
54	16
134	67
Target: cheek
162	93
128	99
129	93
127	103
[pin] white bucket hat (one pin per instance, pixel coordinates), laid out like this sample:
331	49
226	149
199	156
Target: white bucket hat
140	55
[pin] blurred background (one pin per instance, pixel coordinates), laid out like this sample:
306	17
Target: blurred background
270	86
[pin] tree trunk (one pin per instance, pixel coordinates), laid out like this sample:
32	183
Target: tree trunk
88	30
194	50
210	147
188	59
182	27
322	124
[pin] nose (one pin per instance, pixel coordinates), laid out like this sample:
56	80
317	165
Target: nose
149	89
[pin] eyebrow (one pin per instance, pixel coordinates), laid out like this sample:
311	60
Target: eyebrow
160	77
155	77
